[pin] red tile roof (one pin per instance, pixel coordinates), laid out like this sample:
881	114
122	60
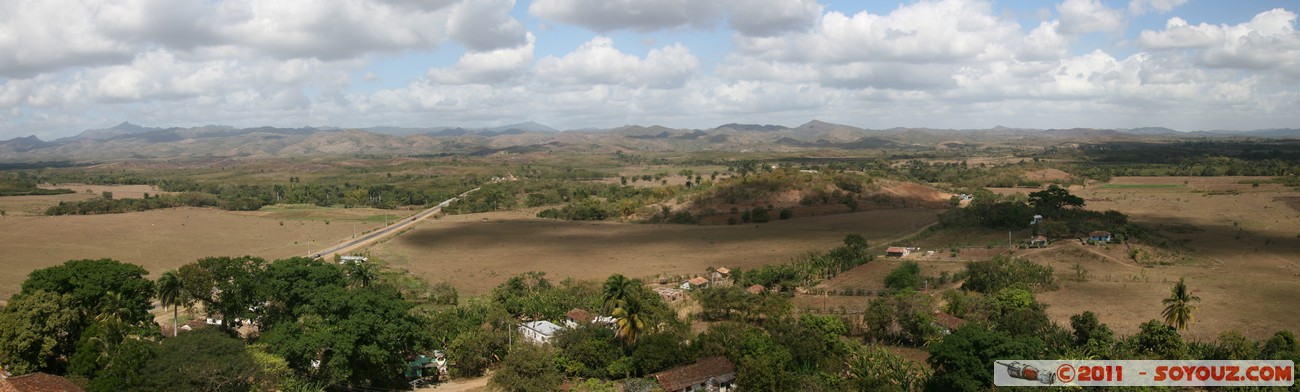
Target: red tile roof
895	249
679	378
755	289
578	315
948	321
37	382
699	281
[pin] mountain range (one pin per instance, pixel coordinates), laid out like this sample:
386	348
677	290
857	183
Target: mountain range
128	140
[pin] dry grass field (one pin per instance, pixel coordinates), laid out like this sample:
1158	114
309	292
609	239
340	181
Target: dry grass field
36	205
164	239
476	252
1238	246
1243	242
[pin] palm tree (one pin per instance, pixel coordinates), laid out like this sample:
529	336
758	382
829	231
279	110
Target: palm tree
1178	307
617	288
629	321
360	274
169	294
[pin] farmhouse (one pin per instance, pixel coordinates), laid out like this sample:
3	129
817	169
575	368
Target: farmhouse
711	374
37	382
897	251
698	282
947	322
539	332
723	272
1099	236
1038	241
755	289
575	317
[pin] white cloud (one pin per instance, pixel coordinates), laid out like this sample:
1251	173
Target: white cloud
639	15
1139	7
598	62
1267	41
929	31
1086	16
490	67
771	17
38	35
486	25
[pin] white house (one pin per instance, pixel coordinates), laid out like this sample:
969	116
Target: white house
539	332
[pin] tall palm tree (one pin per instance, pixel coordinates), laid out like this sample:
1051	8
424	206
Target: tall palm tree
170	294
1178	307
617	288
629	320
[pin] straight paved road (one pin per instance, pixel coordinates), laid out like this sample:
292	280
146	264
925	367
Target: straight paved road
376	235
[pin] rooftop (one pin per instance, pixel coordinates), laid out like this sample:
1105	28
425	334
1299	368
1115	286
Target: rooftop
544	327
684	376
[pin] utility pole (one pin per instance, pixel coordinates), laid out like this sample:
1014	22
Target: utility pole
1009	246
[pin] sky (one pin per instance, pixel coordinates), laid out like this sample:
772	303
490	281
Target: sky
71	65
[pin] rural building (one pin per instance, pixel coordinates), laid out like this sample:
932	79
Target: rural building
723	272
713	373
539	332
37	382
1037	219
947	322
576	317
1038	241
698	282
353	259
897	251
755	289
1099	236
669	294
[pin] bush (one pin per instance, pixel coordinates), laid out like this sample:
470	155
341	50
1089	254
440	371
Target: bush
1002	272
787	213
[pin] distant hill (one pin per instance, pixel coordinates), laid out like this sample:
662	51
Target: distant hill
131	141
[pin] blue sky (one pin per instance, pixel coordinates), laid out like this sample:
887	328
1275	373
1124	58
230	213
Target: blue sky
69	65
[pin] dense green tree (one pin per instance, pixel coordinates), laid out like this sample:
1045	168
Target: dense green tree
962	360
359	336
659	352
1232	345
228	286
291	286
37	332
1178	307
763	364
1155	340
587	350
472	351
88	281
1281	345
1050	201
201	360
110	359
906	276
528	368
1089	331
1015	311
991	276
